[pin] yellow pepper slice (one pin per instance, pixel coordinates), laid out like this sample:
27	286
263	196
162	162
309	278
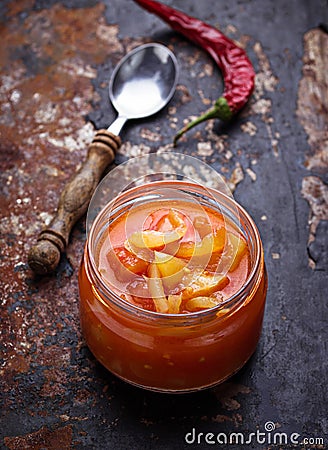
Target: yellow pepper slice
174	303
236	251
167	264
194	304
155	239
156	289
211	243
202	283
202	225
171	269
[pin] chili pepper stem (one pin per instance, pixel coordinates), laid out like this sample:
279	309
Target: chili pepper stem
220	110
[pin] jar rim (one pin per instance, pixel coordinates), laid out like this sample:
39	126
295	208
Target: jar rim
235	299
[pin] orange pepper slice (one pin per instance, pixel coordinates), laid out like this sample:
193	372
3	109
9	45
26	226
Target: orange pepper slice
124	264
130	261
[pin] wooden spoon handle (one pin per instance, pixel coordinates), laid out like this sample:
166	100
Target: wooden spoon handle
45	255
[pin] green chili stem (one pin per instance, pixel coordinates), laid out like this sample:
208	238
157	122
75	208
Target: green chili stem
220	110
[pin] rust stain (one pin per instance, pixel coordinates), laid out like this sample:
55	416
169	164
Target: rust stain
130	150
185	95
261	105
227	393
312	108
48	61
150	135
44	438
236	177
312	104
315	191
221	418
15	8
249	128
55	356
55	383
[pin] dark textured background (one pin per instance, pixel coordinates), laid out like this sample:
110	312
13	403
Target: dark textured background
56	58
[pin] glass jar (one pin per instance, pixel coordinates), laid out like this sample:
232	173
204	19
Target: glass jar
171	352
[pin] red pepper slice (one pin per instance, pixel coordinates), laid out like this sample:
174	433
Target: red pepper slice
128	260
237	70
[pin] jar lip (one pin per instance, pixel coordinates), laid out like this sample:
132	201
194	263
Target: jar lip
192	316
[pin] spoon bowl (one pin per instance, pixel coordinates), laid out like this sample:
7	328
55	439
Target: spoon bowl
142	83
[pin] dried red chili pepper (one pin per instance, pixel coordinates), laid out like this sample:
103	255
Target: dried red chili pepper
237	70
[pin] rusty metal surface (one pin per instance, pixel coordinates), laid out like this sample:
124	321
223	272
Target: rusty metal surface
56	58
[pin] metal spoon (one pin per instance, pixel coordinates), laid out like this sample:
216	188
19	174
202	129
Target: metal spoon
142	84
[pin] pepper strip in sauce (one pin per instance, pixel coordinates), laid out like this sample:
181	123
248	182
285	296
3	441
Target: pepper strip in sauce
237	70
